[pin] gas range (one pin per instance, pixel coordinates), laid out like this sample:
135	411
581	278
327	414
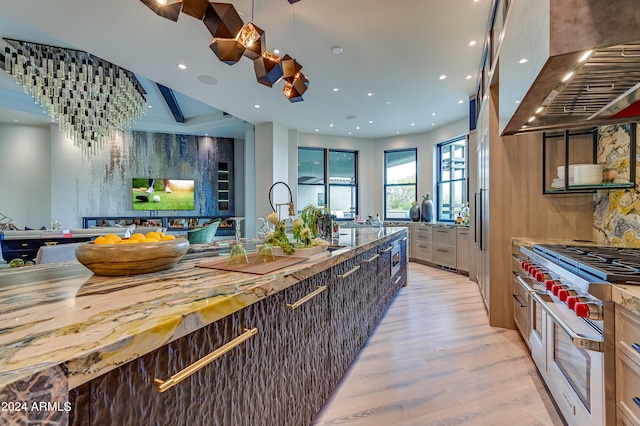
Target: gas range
609	264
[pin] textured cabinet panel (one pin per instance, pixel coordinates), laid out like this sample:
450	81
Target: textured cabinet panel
444	256
444	236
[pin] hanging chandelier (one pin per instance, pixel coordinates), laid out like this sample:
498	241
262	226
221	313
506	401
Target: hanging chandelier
88	97
232	39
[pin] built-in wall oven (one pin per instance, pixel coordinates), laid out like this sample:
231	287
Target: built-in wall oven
571	328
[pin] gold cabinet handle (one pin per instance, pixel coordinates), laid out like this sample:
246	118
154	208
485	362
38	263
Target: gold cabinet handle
308	297
163	385
388	249
371	259
397	279
351	271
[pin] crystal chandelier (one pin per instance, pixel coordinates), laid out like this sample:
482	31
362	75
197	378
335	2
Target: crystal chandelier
88	97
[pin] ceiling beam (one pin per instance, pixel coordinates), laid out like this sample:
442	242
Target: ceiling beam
172	103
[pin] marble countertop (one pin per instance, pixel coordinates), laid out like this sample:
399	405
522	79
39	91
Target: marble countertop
62	313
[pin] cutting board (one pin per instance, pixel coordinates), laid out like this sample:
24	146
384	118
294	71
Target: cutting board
252	267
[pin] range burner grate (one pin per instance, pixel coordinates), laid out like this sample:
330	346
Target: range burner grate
612	264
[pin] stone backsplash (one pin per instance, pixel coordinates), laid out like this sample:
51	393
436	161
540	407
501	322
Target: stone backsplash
616	219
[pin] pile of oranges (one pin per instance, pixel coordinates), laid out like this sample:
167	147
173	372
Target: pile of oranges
149	237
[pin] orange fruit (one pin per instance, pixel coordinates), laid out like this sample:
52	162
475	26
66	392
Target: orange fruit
152	234
100	240
139	237
167	238
150	240
115	238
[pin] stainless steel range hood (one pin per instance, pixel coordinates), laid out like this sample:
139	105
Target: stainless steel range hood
583	70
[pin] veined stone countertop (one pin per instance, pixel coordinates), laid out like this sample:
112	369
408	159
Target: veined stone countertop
62	313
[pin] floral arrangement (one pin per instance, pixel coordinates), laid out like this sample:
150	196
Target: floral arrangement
303	235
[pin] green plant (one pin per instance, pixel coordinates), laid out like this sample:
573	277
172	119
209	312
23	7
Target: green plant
309	216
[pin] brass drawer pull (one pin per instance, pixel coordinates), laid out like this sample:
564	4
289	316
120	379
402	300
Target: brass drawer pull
388	249
372	258
351	271
397	279
163	385
308	297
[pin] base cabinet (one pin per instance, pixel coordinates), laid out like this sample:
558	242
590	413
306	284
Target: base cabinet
281	375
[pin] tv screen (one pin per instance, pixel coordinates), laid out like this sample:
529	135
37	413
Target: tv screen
162	194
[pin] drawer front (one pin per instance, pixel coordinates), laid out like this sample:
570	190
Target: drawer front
444	236
444	256
423	252
622	420
22	244
628	387
521	308
628	333
423	236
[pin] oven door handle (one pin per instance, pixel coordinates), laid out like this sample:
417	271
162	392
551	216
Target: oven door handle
579	340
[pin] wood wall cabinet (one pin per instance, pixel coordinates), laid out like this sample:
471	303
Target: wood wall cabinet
281	375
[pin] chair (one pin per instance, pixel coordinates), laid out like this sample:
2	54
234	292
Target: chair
203	235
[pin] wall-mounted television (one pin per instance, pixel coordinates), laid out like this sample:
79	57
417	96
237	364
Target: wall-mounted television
162	194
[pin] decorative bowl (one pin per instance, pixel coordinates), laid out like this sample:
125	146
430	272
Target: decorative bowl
131	259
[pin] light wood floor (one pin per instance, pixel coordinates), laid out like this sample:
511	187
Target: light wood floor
434	360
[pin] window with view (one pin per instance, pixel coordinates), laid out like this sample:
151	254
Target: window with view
451	179
400	182
339	191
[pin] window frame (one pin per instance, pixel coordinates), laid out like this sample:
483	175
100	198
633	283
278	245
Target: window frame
326	178
386	185
440	181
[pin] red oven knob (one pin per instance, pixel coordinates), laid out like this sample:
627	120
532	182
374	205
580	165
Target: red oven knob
550	283
556	288
533	271
572	300
524	264
588	310
564	294
540	276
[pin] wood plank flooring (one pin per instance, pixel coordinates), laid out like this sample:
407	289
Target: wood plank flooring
434	360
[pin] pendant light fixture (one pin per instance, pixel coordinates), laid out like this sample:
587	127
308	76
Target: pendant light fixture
233	39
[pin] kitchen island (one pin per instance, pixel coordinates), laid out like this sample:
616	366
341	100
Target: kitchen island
88	349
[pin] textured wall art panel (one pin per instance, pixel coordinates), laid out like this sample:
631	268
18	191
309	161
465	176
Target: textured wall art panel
100	185
617	212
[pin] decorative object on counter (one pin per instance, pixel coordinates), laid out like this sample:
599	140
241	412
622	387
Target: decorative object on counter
427	208
298	225
56	225
414	212
238	255
70	83
265	254
205	234
309	215
265	230
325	224
233	39
131	259
279	237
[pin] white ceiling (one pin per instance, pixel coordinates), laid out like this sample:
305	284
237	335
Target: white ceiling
394	49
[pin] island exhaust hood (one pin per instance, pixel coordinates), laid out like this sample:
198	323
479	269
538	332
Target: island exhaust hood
582	89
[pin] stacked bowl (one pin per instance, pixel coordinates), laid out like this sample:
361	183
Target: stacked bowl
580	174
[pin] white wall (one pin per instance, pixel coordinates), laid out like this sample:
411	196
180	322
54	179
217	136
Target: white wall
25	171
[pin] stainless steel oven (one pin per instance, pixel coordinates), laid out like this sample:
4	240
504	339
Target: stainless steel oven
396	259
568	333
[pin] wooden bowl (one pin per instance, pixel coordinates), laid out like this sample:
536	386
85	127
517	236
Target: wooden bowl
131	259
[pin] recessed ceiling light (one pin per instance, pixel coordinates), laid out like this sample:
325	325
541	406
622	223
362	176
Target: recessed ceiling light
433	113
349	132
357	127
15	119
460	101
370	121
335	89
442	77
370	94
471	43
256	106
531	119
413	124
517	102
162	2
398	132
469	77
585	56
336	50
276	51
317	130
331	125
388	102
523	61
149	106
207	79
206	134
433	124
539	110
182	66
568	76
